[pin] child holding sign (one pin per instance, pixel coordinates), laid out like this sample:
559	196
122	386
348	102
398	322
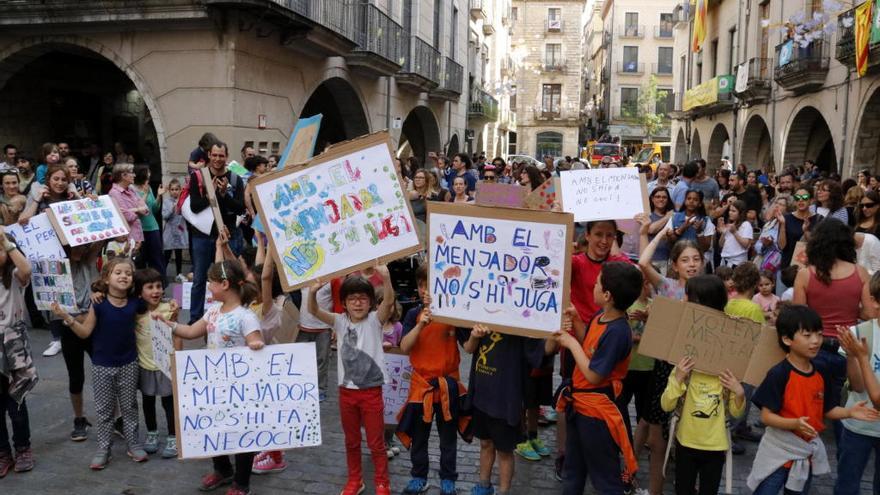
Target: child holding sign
361	369
228	323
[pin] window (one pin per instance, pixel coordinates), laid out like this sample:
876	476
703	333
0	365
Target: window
514	13
554	19
513	97
765	37
629	102
548	144
551	99
553	54
630	59
665	103
730	47
631	26
438	21
664	60
454	34
714	58
666	25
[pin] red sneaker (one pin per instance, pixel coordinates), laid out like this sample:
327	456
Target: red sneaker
353	487
6	461
237	490
214	480
383	489
269	464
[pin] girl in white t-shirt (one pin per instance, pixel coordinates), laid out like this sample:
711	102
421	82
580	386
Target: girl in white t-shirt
737	235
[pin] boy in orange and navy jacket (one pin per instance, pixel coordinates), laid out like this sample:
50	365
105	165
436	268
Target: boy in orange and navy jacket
596	433
435	392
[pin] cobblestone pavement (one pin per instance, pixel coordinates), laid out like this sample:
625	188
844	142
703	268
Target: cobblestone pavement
62	465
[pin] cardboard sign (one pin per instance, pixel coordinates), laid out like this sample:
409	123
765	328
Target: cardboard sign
238	400
302	141
604	193
799	256
183	295
495	194
715	340
342	212
163	345
543	197
506	268
84	221
396	391
37	240
212	196
52	282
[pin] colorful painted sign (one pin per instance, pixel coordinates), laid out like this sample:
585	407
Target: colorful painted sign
52	282
604	193
84	221
497	194
503	267
544	196
37	239
163	345
238	400
344	211
396	391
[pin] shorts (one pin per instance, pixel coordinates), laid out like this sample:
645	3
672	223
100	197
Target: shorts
638	385
538	391
503	435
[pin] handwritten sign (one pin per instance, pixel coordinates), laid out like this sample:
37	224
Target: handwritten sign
396	391
37	239
715	340
604	193
84	221
495	194
506	268
344	211
52	282
163	345
238	400
183	294
543	197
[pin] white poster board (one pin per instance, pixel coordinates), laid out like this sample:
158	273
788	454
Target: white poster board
52	282
238	400
604	193
163	345
344	211
84	221
506	268
396	391
37	239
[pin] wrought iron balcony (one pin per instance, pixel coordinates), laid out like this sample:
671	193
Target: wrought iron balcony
555	113
801	68
631	31
845	51
681	14
661	69
554	64
633	68
421	69
483	106
382	43
663	31
451	81
758	81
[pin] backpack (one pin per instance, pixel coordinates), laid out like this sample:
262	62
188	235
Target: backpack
184	190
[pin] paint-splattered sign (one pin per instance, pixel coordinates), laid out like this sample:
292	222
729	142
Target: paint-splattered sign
544	196
84	221
396	391
344	211
237	400
506	268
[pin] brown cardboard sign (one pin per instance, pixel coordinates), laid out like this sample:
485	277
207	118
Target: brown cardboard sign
715	340
495	194
208	181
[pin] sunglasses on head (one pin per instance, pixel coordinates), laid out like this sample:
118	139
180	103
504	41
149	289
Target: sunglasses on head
488	177
802	197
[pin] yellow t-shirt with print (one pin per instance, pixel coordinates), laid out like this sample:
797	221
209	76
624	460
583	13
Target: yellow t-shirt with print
702	425
143	334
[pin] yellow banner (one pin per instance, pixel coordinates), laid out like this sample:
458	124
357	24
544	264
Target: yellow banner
702	94
863	31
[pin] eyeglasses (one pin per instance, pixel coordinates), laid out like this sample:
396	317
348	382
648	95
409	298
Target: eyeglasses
802	197
868	205
488	177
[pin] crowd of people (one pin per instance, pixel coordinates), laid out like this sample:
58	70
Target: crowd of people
797	250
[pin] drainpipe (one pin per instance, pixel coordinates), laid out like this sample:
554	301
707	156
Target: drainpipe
842	160
688	78
736	65
388	103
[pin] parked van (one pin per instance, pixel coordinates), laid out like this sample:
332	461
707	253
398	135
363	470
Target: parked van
651	154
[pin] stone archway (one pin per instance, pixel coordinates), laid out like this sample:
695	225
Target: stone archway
129	112
421	133
696	146
866	152
681	147
809	138
343	115
719	145
756	150
453	146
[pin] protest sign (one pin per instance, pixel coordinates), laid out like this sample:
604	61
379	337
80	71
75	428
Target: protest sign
495	194
344	211
52	282
163	345
396	391
183	294
211	193
716	341
503	267
302	141
84	221
543	197
237	400
604	193
37	239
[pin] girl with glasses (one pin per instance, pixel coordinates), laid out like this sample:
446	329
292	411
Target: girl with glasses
868	213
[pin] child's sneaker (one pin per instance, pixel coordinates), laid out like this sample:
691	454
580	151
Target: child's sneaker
548	413
353	487
479	489
100	461
447	487
416	486
527	452
214	480
80	429
170	450
237	490
539	447
138	454
6	461
24	460
268	464
151	442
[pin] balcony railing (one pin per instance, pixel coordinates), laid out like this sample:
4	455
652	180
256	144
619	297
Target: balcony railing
632	31
757	80
801	68
378	34
422	67
554	64
559	112
453	76
336	15
661	69
680	14
663	31
630	68
554	25
845	51
483	105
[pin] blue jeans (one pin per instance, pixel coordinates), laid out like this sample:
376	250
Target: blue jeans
774	483
854	451
836	366
203	250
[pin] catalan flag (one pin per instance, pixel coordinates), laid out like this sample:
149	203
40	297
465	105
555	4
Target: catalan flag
699	25
863	32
